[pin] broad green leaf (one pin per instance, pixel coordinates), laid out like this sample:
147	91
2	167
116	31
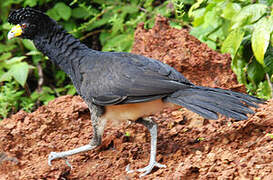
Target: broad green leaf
210	44
255	72
30	3
212	23
7	48
248	15
20	72
260	39
15	60
29	44
238	64
80	12
34	52
69	25
198	17
232	42
7	26
63	10
270	23
6	76
195	6
5	56
212	18
230	10
53	14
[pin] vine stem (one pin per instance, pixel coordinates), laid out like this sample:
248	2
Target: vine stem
270	84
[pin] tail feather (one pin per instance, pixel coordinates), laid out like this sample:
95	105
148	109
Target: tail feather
228	112
209	101
208	114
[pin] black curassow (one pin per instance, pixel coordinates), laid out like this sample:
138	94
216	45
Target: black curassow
121	86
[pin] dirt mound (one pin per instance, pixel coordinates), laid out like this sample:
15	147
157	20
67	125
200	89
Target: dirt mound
191	147
241	150
195	60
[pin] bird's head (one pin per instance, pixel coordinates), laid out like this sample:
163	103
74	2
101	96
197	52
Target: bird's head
28	23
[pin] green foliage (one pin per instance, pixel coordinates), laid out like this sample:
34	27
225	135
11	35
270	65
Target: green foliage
232	43
270	135
260	38
9	98
244	30
15	69
118	20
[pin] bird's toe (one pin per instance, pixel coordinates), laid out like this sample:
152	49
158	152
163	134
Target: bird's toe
52	156
146	170
150	167
55	155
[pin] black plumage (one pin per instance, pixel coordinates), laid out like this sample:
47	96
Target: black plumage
106	79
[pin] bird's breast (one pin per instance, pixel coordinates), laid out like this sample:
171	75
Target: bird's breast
135	111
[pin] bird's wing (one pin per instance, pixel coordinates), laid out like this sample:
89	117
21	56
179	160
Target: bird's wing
121	78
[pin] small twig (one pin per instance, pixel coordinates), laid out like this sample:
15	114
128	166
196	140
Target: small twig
41	77
270	84
142	9
90	34
92	20
21	46
26	87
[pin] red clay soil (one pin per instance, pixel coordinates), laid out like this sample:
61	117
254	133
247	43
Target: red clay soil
191	147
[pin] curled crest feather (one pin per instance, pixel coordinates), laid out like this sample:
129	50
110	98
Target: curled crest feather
19	15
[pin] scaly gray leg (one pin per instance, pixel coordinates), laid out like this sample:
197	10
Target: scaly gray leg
152	126
98	128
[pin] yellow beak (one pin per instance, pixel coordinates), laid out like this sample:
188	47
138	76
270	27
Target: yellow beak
15	32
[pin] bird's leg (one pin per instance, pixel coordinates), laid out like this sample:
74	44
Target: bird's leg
98	128
152	126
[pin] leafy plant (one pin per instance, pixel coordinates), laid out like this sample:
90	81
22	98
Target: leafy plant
118	20
244	30
15	69
9	98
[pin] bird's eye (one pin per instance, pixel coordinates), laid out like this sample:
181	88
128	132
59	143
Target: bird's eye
24	25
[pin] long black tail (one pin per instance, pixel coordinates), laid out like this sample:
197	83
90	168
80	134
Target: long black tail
208	102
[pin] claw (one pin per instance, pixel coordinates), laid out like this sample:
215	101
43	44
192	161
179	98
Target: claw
149	168
51	157
151	125
127	169
55	155
146	169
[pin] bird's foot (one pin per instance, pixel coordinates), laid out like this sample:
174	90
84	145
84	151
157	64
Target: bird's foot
146	169
56	155
64	154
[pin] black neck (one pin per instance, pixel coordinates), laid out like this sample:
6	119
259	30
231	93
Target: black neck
61	48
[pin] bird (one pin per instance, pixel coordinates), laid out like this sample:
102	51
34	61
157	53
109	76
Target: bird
121	86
